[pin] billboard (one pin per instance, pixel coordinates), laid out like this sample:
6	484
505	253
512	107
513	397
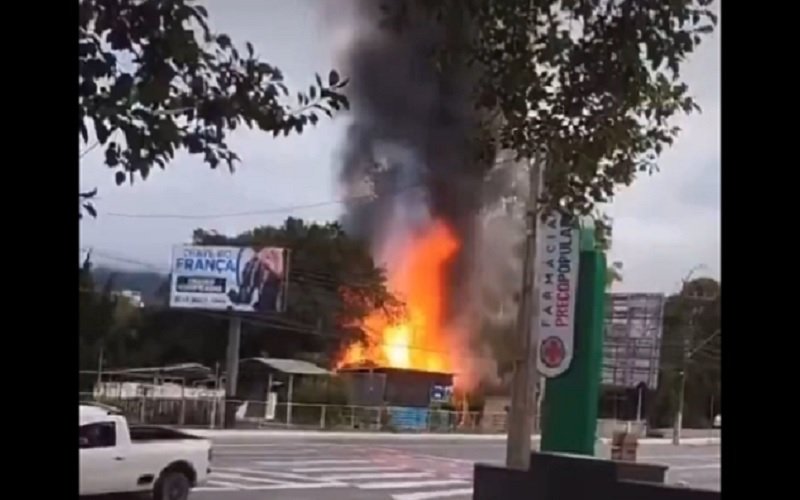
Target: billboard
229	278
557	270
632	344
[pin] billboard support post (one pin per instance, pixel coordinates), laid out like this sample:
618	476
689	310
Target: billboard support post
232	368
569	423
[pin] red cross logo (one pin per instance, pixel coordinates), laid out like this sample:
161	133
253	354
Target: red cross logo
552	352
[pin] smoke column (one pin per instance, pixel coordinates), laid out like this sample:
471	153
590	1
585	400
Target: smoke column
411	141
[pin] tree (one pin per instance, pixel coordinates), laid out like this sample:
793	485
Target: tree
107	323
591	84
154	80
333	284
692	343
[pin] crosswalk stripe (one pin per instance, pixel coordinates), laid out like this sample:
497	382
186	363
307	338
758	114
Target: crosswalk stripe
221	484
239	477
408	484
294	486
250	445
273	473
272	463
377	468
428	495
377	475
260	456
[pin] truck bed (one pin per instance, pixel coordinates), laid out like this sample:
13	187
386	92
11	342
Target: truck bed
140	433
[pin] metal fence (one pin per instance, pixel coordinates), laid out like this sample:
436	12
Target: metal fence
208	412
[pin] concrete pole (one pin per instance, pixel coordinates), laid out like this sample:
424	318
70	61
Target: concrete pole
289	402
518	444
639	397
232	369
678	423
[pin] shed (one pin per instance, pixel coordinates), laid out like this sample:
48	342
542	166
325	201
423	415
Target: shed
259	376
394	386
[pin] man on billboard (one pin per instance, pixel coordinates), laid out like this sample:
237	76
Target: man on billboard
262	281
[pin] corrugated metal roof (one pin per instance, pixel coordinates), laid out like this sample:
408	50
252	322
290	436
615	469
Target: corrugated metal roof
291	366
181	370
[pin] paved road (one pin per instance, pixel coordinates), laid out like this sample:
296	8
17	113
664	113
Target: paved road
327	469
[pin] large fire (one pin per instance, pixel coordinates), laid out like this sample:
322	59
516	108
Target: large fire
419	339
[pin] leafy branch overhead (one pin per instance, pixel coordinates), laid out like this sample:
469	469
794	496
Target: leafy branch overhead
154	80
594	84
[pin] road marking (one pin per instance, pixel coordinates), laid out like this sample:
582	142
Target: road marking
217	485
432	457
240	477
262	472
408	484
461	476
379	468
273	463
295	486
427	495
250	445
377	475
289	475
264	455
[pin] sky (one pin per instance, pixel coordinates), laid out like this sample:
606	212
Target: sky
664	225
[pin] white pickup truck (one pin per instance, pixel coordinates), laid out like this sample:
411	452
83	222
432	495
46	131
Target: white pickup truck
116	458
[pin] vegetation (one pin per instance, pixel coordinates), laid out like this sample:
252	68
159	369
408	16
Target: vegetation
591	84
333	284
154	80
692	342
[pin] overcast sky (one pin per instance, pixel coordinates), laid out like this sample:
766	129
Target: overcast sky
664	224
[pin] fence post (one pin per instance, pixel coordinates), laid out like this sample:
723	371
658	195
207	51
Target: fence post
182	418
142	409
322	417
352	417
289	403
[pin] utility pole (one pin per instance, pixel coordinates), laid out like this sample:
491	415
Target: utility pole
525	376
232	368
686	356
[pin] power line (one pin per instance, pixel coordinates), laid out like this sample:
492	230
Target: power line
265	211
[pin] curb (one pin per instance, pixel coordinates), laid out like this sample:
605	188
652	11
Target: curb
307	434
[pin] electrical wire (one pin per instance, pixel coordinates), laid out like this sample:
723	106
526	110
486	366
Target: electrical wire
264	211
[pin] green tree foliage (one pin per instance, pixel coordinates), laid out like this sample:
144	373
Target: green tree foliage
691	341
107	323
593	84
333	284
154	80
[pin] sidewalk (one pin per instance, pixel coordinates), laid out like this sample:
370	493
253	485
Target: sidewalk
389	436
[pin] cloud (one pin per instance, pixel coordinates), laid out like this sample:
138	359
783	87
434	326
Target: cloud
667	223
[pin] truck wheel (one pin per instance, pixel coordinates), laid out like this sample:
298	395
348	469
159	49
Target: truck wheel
172	486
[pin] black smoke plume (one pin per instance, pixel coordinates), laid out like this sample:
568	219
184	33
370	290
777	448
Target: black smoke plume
412	136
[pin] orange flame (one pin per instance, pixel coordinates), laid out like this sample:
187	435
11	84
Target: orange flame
419	340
